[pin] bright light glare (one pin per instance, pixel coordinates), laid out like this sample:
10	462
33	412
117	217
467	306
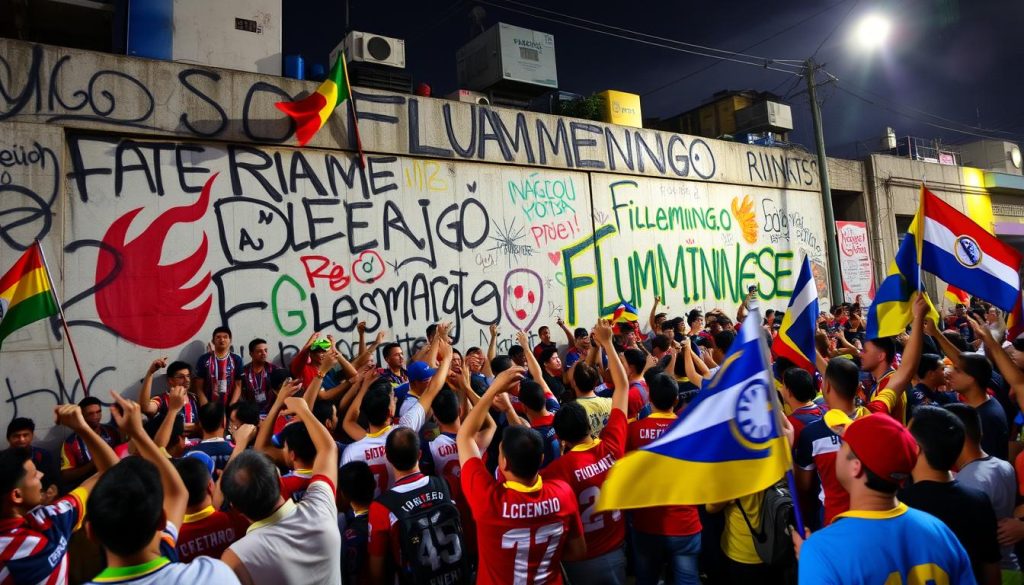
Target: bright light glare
872	31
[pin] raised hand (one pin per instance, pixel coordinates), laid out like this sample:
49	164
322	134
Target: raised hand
381	336
493	328
522	339
176	398
157	365
603	331
128	417
244	434
361	327
509	376
70	416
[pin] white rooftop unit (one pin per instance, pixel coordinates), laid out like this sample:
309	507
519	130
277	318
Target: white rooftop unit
508	55
765	115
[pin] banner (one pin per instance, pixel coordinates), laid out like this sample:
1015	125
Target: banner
855	262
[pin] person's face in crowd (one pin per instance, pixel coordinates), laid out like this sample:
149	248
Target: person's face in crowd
960	311
992	315
848	467
545	335
221	341
20	439
519	360
92	415
554	363
583	344
871	357
179	378
698	324
714	327
395	358
30	489
658	321
456	367
233	422
316	357
259	354
958	380
475	362
936	377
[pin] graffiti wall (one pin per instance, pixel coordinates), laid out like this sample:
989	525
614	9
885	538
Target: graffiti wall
159	237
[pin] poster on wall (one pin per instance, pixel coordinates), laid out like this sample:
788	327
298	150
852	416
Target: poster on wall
855	262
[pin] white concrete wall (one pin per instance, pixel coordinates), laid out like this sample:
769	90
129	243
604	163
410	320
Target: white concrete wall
285	242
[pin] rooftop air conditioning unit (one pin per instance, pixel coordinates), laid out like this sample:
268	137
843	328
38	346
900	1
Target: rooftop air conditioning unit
370	48
470	97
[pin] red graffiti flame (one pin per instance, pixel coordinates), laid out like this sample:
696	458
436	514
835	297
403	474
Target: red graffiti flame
145	301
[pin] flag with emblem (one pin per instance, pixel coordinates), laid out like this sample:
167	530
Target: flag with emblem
727	443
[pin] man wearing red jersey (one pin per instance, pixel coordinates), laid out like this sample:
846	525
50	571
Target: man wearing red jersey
205	531
663	534
525	526
818	445
34	538
585	465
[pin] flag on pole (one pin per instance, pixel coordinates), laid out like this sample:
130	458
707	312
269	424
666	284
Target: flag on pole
728	443
1015	319
956	296
311	113
795	340
25	293
890	312
962	253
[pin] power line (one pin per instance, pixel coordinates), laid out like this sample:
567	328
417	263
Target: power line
744	50
834	29
768	64
896	111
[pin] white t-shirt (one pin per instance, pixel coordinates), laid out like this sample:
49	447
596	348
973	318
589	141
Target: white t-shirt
370	448
299	543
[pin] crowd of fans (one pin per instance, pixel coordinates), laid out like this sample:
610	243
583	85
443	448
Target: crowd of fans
446	467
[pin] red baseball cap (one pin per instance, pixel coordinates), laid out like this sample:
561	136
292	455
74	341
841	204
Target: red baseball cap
881	443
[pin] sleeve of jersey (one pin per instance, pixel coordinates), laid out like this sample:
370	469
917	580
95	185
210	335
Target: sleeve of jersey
380	528
68	512
202	369
320	495
414	417
884	401
551	403
614	433
68	460
804	455
476	484
636	403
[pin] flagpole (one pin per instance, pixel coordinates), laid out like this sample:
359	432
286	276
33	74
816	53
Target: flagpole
355	112
63	320
798	516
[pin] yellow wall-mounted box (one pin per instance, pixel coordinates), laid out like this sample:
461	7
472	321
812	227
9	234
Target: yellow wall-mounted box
619	107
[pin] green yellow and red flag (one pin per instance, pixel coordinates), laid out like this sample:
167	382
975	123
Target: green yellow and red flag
25	293
311	113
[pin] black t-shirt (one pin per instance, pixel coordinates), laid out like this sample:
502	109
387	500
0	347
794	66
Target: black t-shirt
965	510
995	434
556	386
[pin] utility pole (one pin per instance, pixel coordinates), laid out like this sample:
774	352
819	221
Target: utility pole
831	245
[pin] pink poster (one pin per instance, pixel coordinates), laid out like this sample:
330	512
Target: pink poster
855	262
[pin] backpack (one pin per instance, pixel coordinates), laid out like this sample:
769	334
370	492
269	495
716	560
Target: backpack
430	532
773	543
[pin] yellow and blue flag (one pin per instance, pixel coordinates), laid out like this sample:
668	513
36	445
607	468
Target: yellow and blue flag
728	443
625	313
890	311
795	340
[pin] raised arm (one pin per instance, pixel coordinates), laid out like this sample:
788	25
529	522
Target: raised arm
466	439
326	462
620	396
145	393
650	317
176	398
945	345
266	429
440	376
900	381
570	339
531	361
365	356
1004	363
689	361
129	420
492	350
361	328
350	424
70	416
243	435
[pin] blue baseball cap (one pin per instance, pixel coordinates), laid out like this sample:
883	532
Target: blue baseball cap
419	371
206	459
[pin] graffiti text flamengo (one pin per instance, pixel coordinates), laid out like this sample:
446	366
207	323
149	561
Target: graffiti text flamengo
690	274
672	218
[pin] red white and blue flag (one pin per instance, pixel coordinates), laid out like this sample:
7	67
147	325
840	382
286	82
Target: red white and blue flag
960	252
795	340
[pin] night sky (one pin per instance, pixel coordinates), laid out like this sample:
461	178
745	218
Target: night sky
960	60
